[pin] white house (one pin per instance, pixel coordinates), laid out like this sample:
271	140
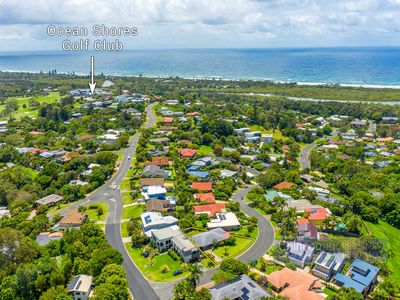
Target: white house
155	220
80	287
226	221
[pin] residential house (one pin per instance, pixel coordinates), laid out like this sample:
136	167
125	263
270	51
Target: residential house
228	149
46	237
202	186
266	138
390	120
154	192
361	276
209	209
108	138
160	205
199	174
228	174
203	161
241	287
328	264
151	181
161	161
161	140
226	221
49	200
162	238
299	253
205	197
252	137
185	248
285	185
240	131
155	220
72	219
208	239
155	171
306	232
317	216
80	287
296	285
187	153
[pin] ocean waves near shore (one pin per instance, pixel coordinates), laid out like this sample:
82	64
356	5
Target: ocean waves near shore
368	67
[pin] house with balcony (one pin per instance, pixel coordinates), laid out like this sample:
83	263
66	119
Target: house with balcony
328	264
299	254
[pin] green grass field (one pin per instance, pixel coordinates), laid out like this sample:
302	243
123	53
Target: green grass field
241	245
92	213
125	185
124	230
389	235
205	150
153	272
133	211
27	111
127	198
277	134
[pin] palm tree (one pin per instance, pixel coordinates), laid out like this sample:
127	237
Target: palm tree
194	273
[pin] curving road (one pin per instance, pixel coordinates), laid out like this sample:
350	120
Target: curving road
266	234
138	284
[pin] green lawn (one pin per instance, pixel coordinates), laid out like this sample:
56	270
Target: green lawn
27	111
389	235
277	134
243	232
329	292
241	245
57	208
133	211
127	198
125	185
270	267
205	150
153	271
92	213
124	230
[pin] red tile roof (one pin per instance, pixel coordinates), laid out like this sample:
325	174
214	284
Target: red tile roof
160	161
317	213
284	185
202	186
168	120
205	197
296	285
302	221
192	114
187	152
36	132
209	209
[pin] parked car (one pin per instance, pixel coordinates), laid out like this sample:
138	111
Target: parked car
177	272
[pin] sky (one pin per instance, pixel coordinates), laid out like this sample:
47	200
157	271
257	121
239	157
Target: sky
207	23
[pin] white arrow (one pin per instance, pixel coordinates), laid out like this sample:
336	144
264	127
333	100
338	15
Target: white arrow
92	84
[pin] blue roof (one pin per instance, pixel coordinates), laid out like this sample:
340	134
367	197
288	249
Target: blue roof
370	270
193	168
200	174
349	283
358	280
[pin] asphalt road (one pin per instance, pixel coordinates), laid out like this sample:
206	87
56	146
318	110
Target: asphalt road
266	234
138	285
305	152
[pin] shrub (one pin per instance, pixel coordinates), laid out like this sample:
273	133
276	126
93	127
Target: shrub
234	266
173	254
164	269
291	266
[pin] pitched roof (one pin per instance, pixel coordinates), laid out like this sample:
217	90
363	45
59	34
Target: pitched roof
209	209
202	186
187	152
241	287
53	198
73	217
151	181
299	284
207	238
80	283
157	205
205	197
168	120
159	161
317	213
284	185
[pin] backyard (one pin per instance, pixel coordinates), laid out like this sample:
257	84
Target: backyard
92	211
133	211
153	271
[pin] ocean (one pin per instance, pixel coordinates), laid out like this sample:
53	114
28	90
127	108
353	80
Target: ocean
352	66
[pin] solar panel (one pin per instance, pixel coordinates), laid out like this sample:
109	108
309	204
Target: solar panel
251	284
222	217
147	219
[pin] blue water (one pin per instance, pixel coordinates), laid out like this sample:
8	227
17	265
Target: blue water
361	66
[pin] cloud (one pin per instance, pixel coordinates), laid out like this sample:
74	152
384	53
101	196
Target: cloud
174	22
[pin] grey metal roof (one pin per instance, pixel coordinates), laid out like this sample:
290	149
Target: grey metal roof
207	238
